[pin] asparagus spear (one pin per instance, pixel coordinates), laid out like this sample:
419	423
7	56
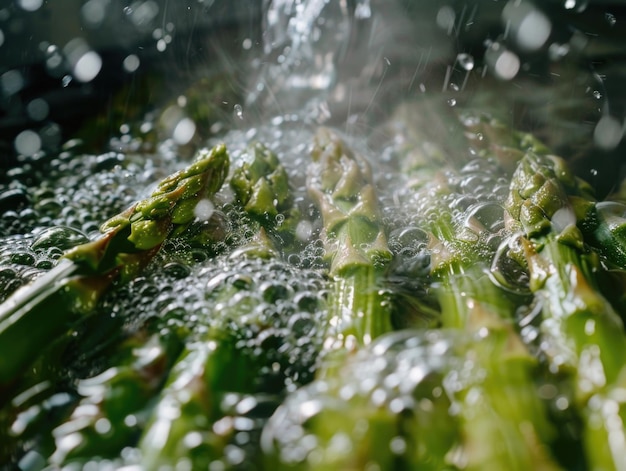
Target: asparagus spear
460	206
246	349
340	183
114	402
386	408
261	187
331	409
472	303
128	243
336	423
582	333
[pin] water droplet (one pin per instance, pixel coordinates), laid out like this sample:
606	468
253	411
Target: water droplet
608	133
558	51
466	61
610	18
30	5
238	111
576	5
94	12
103	426
446	18
504	63
204	209
397	445
11	82
363	10
452	102
142	13
184	131
85	62
38	109
131	63
562	403
27	142
529	26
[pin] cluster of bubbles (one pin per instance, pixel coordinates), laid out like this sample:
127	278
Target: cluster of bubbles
269	312
80	193
385	393
53	202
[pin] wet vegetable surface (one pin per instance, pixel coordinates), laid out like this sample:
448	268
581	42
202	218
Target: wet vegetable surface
311	256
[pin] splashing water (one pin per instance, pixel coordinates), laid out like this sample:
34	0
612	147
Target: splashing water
326	60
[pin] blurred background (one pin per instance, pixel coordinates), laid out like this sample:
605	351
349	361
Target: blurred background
96	68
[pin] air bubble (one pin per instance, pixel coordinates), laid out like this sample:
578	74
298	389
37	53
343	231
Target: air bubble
60	237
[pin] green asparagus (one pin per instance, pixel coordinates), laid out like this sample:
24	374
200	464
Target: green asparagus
128	243
219	334
245	348
386	408
113	405
340	183
582	334
463	246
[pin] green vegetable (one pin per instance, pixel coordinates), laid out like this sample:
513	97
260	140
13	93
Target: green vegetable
497	400
582	334
113	406
386	408
341	184
244	350
41	312
463	311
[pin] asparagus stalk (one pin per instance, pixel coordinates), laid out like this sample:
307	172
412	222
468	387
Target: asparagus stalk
386	408
114	402
497	401
472	303
582	333
341	185
234	354
128	242
461	210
